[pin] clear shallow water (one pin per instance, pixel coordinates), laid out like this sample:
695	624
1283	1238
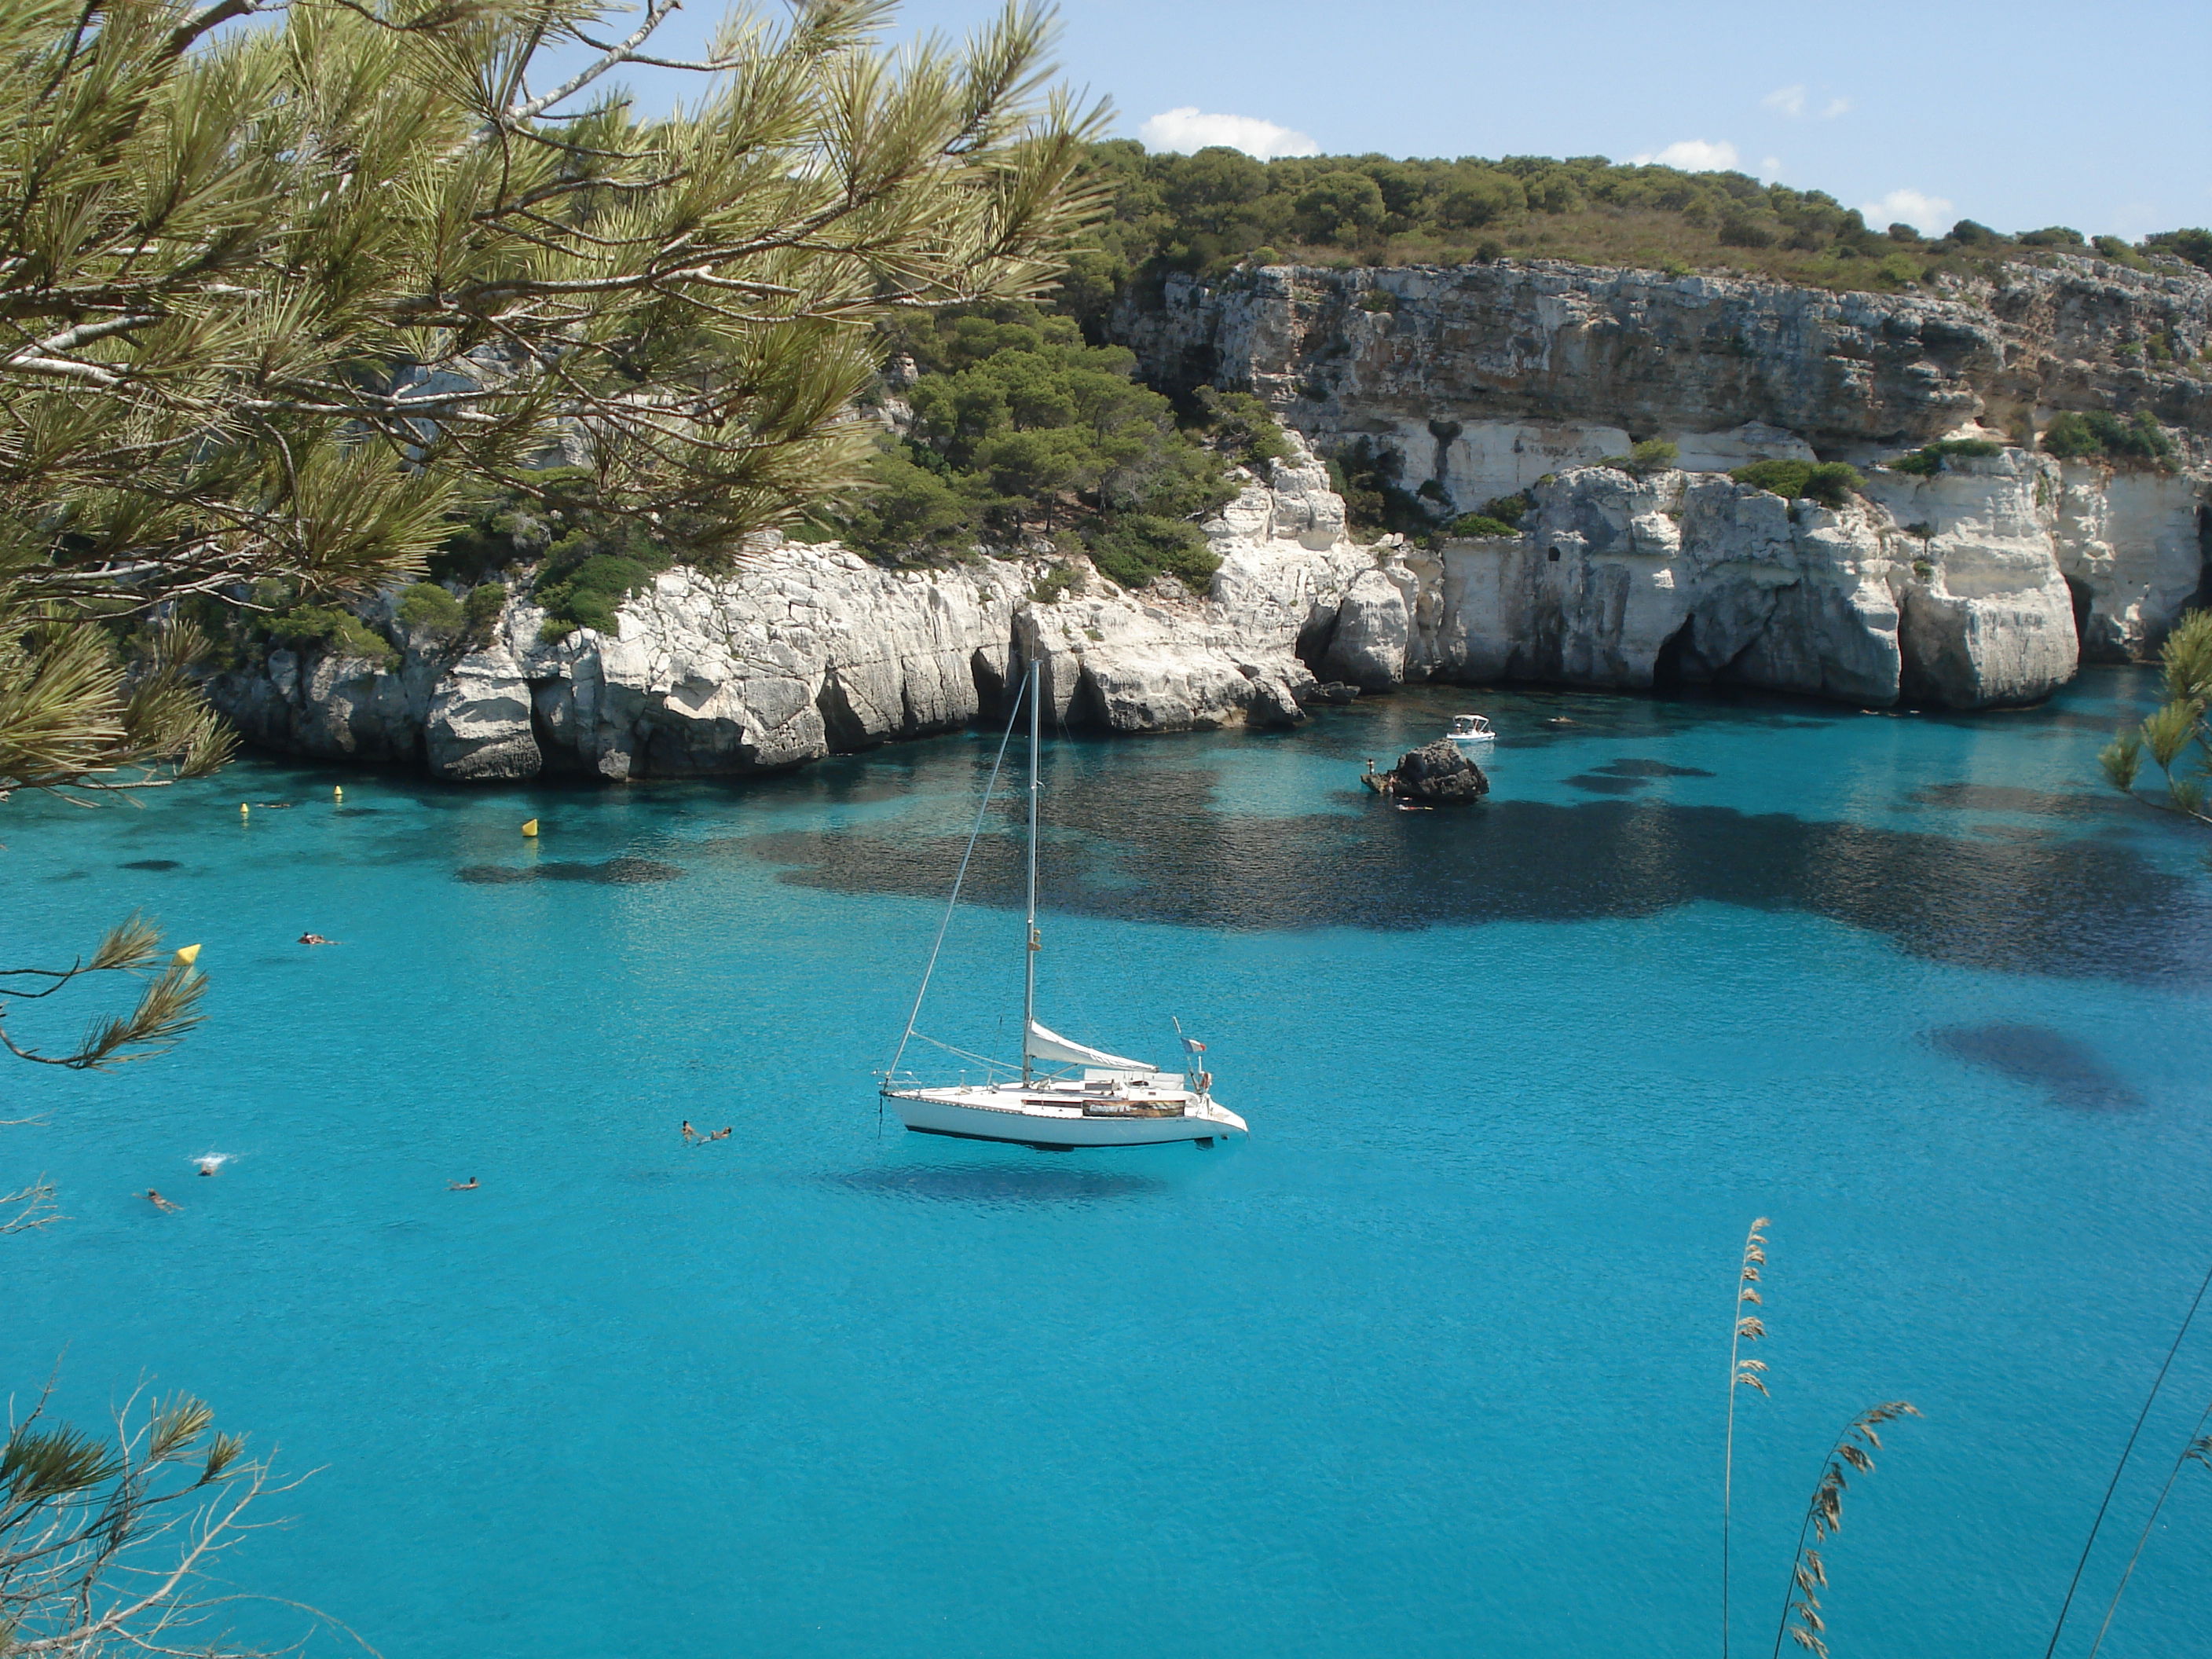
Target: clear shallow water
1432	1365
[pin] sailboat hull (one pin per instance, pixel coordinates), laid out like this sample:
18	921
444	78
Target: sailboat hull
1025	1118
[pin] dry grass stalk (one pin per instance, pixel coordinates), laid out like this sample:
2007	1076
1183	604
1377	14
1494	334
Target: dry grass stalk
2197	1451
1742	1373
1824	1516
2058	1624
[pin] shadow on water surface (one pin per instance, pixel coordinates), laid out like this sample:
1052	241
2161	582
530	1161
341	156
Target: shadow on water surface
613	872
1004	1184
153	863
1593	783
2069	1071
2062	906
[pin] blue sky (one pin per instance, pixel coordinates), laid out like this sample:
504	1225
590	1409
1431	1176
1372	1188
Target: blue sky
2092	115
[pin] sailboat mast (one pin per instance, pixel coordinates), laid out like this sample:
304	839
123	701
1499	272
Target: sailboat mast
1029	954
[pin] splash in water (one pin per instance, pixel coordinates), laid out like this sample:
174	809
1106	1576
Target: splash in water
209	1163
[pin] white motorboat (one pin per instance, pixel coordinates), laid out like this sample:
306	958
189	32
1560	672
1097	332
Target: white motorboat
1063	1094
1471	731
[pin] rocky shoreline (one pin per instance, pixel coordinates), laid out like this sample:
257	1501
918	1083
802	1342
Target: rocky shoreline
1981	584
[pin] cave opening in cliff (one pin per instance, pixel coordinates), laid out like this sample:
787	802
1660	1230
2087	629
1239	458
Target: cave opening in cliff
2078	591
1667	666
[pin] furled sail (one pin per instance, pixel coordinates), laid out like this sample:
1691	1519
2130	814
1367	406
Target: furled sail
1051	1046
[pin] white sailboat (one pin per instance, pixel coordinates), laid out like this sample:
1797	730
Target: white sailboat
1066	1094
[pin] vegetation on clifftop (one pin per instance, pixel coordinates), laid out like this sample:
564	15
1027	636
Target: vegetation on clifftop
1207	212
1016	432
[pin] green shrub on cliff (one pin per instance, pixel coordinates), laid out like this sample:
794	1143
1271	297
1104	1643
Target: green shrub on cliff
2193	244
1242	427
481	610
1371	479
1480	524
588	591
2094	435
1828	483
1652	455
1927	460
1134	547
328	628
428	609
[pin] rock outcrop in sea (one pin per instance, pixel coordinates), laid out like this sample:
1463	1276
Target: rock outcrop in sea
1435	774
1981	584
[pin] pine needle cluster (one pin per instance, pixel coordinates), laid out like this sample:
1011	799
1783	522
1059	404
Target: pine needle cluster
167	1005
2175	734
271	294
107	1542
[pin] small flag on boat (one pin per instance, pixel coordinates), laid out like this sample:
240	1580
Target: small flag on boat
1193	1045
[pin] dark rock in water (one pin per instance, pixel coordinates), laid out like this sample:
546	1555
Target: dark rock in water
1436	773
1330	691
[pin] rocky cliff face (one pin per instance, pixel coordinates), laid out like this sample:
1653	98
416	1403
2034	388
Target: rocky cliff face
808	651
1690	579
1943	590
1981	584
1482	379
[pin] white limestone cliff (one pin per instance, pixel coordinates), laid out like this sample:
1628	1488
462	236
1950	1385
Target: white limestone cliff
1946	590
1693	579
806	651
1475	381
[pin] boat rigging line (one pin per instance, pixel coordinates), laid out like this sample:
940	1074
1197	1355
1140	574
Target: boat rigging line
989	789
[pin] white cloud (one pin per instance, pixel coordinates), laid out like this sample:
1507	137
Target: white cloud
1190	129
1790	102
1694	155
1771	168
1929	214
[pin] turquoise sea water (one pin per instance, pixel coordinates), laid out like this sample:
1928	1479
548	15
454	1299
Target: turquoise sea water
1432	1365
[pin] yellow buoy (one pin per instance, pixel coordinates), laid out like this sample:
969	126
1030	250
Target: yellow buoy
337	791
243	810
531	829
187	955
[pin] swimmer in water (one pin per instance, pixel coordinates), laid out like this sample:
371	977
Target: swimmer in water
207	1166
719	1134
468	1186
160	1202
313	939
690	1134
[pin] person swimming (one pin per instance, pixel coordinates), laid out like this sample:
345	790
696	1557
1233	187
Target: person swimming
314	939
207	1166
722	1134
690	1134
470	1185
160	1202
